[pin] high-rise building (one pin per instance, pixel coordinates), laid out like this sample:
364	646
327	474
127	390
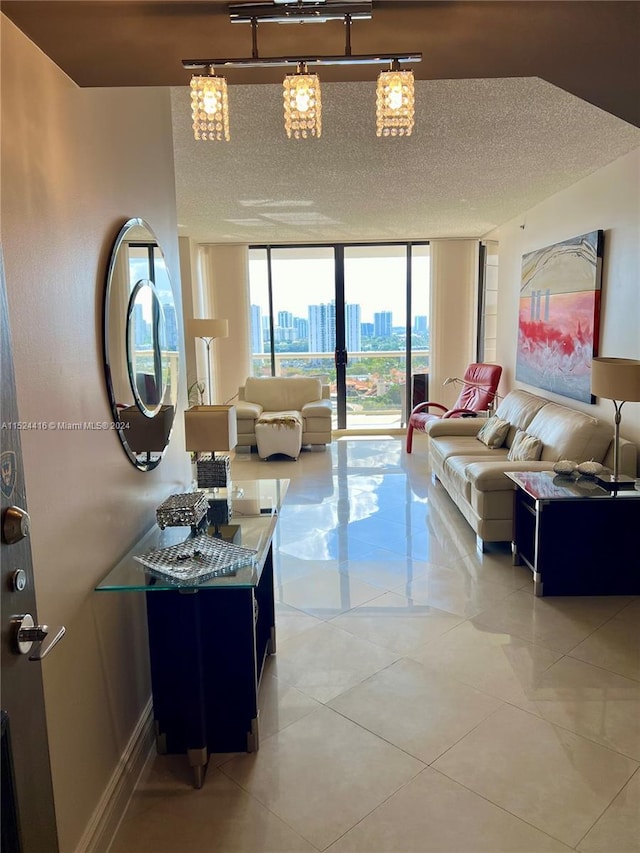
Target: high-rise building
266	334
141	326
171	327
367	330
285	319
382	321
302	328
352	328
284	334
257	338
284	331
420	323
322	327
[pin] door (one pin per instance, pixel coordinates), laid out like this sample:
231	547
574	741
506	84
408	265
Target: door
375	312
386	311
366	305
293	312
30	827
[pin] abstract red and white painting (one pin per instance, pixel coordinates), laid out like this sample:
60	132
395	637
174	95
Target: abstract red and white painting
559	315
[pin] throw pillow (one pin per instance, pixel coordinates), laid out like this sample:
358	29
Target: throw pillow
524	448
494	432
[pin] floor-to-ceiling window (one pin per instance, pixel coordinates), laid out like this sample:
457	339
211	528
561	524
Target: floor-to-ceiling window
487	301
355	315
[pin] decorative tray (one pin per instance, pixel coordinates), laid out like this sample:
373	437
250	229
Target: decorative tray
200	558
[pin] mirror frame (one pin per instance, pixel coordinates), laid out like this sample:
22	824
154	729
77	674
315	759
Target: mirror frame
134	421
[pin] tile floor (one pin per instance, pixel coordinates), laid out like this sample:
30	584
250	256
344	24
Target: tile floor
422	699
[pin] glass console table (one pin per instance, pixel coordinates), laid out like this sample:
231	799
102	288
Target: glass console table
576	537
208	640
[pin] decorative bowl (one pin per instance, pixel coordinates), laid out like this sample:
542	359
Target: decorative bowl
565	466
590	468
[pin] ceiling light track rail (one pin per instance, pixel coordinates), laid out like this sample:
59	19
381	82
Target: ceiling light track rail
314	59
303	11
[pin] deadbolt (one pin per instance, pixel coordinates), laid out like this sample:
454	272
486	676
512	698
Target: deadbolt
19	580
15	524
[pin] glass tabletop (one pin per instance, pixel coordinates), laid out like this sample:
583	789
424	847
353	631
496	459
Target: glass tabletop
254	509
545	485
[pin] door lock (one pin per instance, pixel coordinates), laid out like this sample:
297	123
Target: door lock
15	525
26	633
18	580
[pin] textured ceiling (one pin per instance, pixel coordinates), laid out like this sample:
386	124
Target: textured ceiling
482	152
511	99
587	47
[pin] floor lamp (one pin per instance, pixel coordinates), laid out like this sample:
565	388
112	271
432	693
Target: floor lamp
616	379
208	330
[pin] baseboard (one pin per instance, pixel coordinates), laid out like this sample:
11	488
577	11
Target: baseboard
108	814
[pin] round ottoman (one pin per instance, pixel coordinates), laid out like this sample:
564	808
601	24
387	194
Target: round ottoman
279	432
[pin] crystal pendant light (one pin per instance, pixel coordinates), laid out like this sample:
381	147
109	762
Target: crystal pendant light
210	107
395	102
302	104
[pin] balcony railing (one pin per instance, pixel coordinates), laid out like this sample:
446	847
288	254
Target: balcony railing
376	393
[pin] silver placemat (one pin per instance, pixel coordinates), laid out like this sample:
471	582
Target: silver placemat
200	558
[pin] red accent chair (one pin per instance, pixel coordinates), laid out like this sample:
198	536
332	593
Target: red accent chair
476	396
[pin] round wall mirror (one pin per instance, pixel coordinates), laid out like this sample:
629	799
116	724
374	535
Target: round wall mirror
141	344
148	359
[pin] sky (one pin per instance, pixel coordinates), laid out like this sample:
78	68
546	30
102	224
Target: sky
376	283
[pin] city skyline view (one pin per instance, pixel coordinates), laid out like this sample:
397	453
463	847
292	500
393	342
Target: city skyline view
296	293
318	328
143	309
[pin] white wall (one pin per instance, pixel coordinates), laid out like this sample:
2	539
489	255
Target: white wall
224	272
454	277
191	307
608	199
76	163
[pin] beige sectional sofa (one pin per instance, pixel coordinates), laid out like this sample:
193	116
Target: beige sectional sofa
303	397
474	475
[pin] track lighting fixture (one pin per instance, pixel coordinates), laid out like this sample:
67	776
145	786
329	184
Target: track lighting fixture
302	100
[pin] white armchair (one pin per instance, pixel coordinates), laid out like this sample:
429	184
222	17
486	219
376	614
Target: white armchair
275	396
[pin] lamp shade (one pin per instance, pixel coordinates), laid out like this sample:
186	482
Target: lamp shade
210	428
144	434
616	379
208	328
302	104
210	107
395	103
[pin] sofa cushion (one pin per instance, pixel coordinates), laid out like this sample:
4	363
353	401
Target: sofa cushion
459	445
247	411
458	466
524	447
569	434
494	432
519	408
278	393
